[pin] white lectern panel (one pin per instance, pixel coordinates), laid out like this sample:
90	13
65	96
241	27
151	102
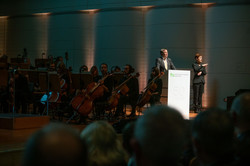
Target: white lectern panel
179	91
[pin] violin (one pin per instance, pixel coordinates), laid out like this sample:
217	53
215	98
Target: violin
148	92
94	90
116	93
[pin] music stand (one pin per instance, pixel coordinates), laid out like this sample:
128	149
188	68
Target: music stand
81	80
75	81
41	63
85	79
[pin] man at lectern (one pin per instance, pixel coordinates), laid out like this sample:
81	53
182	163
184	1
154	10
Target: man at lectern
164	63
198	81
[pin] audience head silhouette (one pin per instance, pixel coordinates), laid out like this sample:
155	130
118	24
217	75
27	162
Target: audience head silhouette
55	145
240	110
104	147
241	114
159	137
213	136
127	136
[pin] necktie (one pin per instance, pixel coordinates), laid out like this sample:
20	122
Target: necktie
166	64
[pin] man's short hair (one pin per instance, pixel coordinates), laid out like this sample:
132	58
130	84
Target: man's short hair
241	106
161	52
160	133
55	145
103	144
214	130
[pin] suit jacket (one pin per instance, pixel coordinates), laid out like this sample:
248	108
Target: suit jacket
160	64
197	68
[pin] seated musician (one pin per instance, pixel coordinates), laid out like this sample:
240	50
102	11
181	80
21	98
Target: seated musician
83	68
51	64
60	66
94	72
101	102
132	95
65	82
156	95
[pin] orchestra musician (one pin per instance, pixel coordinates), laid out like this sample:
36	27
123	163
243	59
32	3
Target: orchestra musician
83	68
65	82
51	64
60	66
132	95
108	86
156	95
64	75
94	72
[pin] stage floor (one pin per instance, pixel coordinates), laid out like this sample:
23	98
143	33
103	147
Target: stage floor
12	142
17	138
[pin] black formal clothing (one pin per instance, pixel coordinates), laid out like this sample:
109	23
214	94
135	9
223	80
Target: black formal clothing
159	63
4	99
198	85
131	97
155	98
101	102
109	86
21	93
243	149
97	78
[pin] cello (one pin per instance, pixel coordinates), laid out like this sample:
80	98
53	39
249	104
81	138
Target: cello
121	89
148	91
94	90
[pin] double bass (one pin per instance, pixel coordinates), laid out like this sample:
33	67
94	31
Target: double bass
84	102
148	92
121	89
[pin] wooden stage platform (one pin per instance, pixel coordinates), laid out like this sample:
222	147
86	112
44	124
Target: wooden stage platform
14	137
22	121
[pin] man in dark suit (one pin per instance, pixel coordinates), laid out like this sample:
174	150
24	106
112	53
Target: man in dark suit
198	81
164	63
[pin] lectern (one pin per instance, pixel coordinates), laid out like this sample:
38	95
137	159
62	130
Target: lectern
179	91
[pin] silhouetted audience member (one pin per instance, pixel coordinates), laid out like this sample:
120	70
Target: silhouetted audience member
159	137
240	110
127	136
55	145
188	153
213	138
104	147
